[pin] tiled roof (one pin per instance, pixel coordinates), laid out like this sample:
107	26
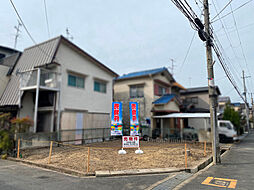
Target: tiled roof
198	90
164	99
141	73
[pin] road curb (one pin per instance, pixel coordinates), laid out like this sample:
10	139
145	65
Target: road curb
54	168
108	173
200	166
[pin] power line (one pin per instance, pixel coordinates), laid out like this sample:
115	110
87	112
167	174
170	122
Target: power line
20	19
238	35
212	21
46	16
229	3
187	53
228	59
29	34
228	38
206	37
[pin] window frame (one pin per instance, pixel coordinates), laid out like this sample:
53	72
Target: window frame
77	77
137	91
100	82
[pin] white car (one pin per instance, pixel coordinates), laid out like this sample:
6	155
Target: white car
226	131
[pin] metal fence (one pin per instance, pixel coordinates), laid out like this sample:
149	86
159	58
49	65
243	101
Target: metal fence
76	136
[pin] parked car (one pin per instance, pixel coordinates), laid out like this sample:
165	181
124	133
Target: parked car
227	131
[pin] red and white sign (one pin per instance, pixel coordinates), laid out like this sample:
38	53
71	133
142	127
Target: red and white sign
130	142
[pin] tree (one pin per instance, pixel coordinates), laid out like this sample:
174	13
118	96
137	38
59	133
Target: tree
233	116
8	128
5	132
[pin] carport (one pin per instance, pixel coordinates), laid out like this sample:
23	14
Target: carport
202	121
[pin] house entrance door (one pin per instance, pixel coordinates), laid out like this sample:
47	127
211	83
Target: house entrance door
79	127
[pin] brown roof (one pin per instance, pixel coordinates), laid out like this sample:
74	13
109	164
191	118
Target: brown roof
178	85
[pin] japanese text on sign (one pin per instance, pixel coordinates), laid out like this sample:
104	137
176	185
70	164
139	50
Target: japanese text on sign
130	141
116	119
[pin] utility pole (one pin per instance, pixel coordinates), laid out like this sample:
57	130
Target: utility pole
246	102
17	34
212	87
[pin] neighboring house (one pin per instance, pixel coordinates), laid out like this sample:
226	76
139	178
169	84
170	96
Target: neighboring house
61	87
223	101
6	51
152	89
237	106
8	59
196	100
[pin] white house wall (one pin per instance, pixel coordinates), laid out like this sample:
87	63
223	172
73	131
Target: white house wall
78	98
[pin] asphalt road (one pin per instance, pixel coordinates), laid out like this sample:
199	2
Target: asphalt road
237	164
17	176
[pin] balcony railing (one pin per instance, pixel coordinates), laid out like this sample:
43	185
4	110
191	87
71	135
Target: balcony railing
48	79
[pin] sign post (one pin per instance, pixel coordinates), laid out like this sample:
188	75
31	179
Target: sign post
116	119
134	124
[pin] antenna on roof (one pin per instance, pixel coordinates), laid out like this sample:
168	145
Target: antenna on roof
172	67
17	33
68	35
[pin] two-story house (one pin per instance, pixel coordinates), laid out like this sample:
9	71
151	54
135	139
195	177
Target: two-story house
152	89
196	100
60	87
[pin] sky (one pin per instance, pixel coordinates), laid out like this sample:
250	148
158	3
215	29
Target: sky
134	35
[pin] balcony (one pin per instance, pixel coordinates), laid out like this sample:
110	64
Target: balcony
48	79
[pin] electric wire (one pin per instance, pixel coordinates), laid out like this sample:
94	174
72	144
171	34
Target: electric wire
229	3
187	53
212	20
215	47
29	34
239	38
228	38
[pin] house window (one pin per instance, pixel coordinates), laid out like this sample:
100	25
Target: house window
160	90
100	86
191	100
136	91
76	81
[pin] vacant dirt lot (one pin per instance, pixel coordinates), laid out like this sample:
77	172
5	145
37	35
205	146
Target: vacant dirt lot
104	156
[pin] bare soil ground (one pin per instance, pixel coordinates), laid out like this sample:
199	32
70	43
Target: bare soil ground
104	156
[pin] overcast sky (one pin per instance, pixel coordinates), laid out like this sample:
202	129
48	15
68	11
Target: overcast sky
134	35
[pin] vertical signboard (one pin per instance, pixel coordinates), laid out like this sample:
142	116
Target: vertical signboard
134	125
116	119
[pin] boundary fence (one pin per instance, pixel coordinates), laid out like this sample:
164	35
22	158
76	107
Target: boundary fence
75	136
88	159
